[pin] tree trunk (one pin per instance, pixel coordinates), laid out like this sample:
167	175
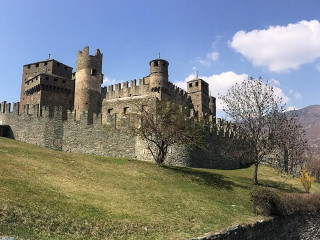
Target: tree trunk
161	157
286	160
255	173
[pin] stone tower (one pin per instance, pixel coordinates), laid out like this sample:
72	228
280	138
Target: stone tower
89	77
158	74
198	90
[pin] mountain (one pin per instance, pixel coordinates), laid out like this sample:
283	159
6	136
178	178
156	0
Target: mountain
309	118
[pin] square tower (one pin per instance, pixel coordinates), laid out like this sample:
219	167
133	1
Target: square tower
46	83
198	90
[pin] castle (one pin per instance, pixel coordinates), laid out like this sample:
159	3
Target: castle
53	84
70	111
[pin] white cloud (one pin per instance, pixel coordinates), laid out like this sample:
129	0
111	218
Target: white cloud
279	93
216	42
203	62
291	108
210	57
220	83
213	56
294	93
274	82
109	81
280	48
217	83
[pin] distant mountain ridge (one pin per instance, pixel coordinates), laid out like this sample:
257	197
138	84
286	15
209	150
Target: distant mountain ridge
309	118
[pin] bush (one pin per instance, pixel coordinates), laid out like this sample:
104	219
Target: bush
269	203
295	203
266	202
306	179
313	164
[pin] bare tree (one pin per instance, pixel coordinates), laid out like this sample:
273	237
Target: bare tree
264	126
167	124
292	143
313	165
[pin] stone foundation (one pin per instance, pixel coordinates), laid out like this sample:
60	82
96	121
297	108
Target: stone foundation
298	227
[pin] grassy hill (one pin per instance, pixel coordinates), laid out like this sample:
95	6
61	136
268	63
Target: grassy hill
47	194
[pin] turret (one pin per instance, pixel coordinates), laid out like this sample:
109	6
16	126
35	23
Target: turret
198	90
158	74
88	78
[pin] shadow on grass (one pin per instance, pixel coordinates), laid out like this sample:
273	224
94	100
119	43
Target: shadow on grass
282	186
220	181
208	178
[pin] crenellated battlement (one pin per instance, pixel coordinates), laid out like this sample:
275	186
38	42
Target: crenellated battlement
226	128
179	91
5	107
128	89
72	112
222	127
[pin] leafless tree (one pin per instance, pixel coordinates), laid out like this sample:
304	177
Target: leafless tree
263	124
167	124
313	165
292	143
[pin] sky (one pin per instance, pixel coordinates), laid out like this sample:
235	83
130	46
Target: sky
226	41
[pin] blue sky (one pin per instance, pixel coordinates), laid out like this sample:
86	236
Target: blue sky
226	41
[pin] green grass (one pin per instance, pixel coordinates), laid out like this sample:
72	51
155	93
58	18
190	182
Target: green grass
47	194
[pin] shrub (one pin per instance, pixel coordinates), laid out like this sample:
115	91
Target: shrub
306	179
266	202
313	165
269	203
295	203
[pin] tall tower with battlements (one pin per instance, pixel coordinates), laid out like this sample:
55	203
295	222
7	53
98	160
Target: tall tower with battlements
88	80
198	90
159	77
46	83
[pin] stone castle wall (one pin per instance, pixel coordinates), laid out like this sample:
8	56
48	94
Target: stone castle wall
295	227
109	135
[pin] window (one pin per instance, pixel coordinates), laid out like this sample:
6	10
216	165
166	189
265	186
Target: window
55	79
190	84
45	63
58	64
93	72
197	84
125	109
63	81
37	64
156	63
47	78
29	66
110	110
65	68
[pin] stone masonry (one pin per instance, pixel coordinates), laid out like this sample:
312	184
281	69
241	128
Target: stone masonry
71	112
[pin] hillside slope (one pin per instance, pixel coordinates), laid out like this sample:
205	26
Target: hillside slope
309	118
47	194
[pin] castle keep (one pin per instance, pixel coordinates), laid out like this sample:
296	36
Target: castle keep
70	111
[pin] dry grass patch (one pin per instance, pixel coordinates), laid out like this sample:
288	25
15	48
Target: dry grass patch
47	194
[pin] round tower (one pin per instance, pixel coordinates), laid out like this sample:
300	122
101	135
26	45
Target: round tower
158	74
88	80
